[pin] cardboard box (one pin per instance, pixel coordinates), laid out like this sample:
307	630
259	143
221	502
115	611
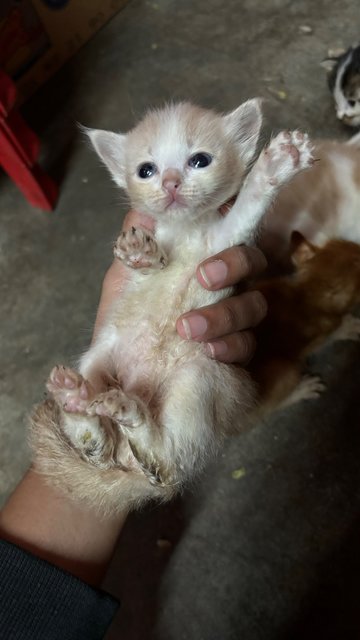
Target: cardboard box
38	36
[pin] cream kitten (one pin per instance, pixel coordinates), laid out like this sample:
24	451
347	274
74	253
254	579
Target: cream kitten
322	204
147	408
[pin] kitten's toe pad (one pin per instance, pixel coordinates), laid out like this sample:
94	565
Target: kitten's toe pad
115	404
287	154
69	389
138	249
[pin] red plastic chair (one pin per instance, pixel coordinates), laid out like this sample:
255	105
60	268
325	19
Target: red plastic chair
19	150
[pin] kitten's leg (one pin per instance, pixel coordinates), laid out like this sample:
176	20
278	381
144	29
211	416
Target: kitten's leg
97	364
82	421
203	402
94	439
354	140
349	329
134	420
286	155
138	249
309	388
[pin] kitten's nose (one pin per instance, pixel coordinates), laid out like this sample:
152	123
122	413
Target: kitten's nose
171	180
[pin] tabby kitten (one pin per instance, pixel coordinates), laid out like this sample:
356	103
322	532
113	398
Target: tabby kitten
344	84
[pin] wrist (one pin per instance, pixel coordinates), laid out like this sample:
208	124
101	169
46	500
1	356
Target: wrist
42	520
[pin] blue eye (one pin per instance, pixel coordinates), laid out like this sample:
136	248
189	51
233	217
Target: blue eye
200	160
146	170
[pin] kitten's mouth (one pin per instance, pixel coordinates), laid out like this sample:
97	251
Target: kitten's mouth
178	202
175	202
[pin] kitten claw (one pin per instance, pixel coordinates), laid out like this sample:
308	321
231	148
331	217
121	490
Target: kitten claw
287	154
138	249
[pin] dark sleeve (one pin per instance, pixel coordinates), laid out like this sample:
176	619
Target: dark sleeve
39	601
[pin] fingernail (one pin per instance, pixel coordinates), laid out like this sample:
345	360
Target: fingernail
194	326
216	349
214	272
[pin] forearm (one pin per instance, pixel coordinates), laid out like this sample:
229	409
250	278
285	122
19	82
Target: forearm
46	523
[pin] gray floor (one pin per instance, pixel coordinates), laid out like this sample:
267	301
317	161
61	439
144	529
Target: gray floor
274	554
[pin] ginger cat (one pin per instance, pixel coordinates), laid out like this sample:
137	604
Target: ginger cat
321	204
307	308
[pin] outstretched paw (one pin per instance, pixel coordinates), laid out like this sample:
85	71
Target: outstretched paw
287	154
138	249
69	389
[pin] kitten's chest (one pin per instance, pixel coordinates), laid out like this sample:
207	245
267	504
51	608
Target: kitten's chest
184	245
154	301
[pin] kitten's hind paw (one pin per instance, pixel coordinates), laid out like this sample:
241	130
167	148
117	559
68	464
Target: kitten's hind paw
115	404
309	388
138	249
69	389
287	154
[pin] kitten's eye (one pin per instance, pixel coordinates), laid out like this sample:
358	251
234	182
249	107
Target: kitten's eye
199	160
146	170
351	103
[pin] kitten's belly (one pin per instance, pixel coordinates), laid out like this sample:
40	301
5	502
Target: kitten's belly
147	345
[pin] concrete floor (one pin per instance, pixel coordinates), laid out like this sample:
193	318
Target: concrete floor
274	554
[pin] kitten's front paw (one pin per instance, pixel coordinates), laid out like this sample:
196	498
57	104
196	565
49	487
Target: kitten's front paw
287	154
69	389
138	249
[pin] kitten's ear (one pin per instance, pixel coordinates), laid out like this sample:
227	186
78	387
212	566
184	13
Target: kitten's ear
110	147
244	126
301	249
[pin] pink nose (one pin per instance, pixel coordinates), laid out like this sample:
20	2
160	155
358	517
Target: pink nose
171	180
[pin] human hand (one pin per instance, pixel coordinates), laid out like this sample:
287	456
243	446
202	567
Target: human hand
225	326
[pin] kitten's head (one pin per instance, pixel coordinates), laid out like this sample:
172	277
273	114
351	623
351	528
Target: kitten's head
182	160
344	83
331	274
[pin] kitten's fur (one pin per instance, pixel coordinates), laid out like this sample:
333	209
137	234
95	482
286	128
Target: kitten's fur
148	408
323	203
305	309
344	84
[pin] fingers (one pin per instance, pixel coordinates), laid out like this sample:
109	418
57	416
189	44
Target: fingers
237	347
224	326
229	266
